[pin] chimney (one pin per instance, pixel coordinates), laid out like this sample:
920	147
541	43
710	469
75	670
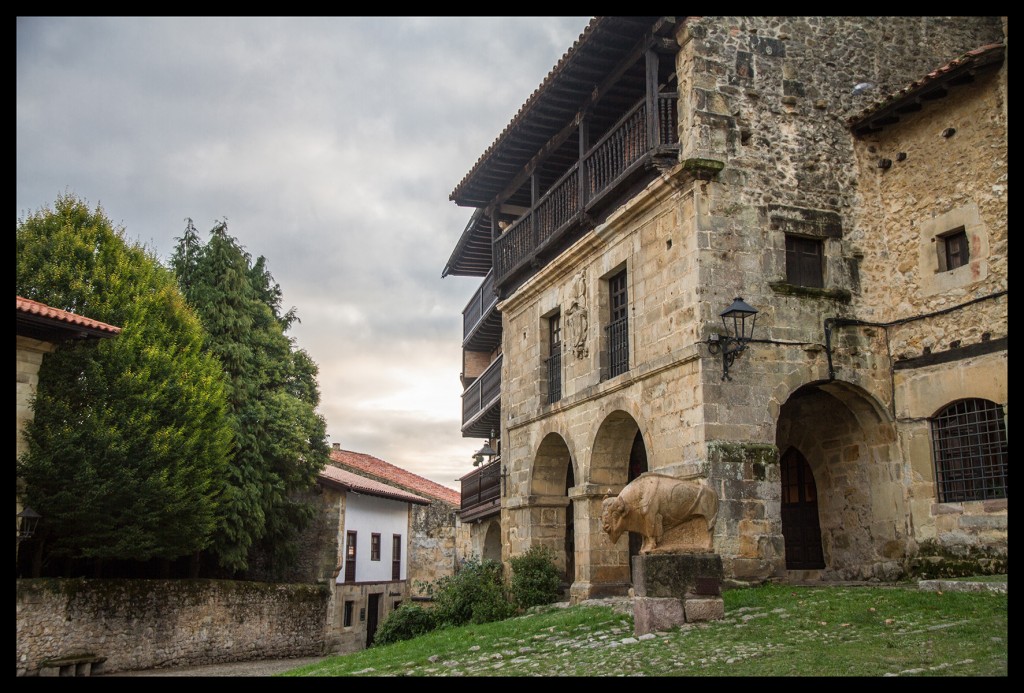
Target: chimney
336	446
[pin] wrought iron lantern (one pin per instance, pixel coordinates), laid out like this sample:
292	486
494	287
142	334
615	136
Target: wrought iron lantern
732	345
486	451
28	520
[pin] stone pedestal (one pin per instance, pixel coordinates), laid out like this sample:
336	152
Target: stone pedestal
676	588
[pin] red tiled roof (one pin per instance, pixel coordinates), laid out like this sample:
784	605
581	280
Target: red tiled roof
361	484
931	83
47	313
379	468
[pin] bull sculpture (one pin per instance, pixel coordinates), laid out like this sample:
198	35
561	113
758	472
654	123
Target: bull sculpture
671	514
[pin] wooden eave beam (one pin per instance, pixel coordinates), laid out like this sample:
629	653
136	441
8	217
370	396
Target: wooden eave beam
559	138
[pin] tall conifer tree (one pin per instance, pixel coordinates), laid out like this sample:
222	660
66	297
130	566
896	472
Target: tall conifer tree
280	439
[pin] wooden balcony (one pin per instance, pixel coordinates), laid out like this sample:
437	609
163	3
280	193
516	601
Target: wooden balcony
481	492
481	403
481	321
633	145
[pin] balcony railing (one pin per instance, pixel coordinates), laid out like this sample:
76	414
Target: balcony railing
481	492
483	394
619	153
479	306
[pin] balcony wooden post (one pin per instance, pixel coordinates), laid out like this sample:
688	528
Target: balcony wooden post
584	137
534	221
652	99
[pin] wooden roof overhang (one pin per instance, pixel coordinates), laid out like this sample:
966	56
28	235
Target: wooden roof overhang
600	77
934	85
45	323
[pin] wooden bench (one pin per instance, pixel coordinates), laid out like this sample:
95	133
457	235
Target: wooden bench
72	665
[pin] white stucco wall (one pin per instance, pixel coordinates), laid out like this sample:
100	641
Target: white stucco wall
368	515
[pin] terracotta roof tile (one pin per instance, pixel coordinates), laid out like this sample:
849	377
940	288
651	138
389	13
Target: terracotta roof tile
979	57
372	487
379	468
41	310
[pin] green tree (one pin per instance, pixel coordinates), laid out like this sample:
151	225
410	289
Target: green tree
127	454
280	439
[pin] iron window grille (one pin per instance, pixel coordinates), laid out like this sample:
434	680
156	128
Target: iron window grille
970	448
554	361
618	326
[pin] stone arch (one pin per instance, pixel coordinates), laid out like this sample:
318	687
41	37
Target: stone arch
553	474
492	542
849	442
610	451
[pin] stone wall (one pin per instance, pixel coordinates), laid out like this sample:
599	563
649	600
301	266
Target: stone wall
142	624
432	545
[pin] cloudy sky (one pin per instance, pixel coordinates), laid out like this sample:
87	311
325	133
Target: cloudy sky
330	146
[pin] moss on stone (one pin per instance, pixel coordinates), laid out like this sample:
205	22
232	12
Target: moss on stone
787	289
936	561
703	168
720	452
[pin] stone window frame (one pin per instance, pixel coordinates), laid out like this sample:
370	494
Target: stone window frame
825	226
936	278
347	613
551	356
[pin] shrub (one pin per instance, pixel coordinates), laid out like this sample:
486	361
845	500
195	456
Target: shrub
535	578
475	594
406	622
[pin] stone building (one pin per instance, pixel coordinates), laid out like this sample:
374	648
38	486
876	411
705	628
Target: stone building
845	176
40	329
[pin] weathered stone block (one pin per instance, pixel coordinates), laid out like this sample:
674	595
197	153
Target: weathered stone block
675	575
700	609
652	614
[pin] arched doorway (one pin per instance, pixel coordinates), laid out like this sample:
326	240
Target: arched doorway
843	441
800	527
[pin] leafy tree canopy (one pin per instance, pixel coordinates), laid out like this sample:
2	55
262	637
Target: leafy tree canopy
127	456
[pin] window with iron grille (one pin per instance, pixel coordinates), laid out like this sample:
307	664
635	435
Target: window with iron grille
375	547
618	326
554	361
396	557
804	261
954	251
349	610
969	444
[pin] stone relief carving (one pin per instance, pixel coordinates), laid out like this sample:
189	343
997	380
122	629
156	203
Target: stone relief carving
672	515
576	317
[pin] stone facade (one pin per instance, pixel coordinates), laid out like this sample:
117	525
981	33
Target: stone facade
143	624
766	152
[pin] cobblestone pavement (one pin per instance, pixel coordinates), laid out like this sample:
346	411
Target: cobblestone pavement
265	667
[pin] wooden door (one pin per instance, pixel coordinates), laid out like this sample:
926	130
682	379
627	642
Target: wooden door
372	609
800	514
